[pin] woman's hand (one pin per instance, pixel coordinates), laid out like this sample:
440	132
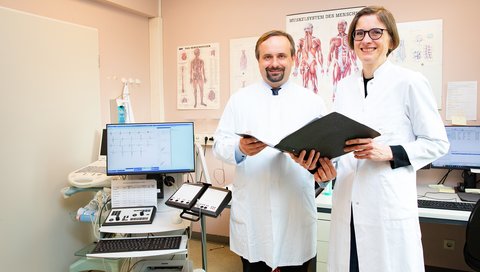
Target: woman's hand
308	162
321	168
326	171
367	149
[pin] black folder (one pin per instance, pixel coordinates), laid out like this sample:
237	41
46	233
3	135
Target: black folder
325	134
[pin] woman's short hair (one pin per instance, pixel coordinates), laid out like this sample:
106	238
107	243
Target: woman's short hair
385	16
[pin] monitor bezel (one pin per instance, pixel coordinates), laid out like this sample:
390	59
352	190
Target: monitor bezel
161	172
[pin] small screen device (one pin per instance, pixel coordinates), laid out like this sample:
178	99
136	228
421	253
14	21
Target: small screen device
197	199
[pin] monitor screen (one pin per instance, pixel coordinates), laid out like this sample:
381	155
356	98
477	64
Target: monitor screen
464	152
150	148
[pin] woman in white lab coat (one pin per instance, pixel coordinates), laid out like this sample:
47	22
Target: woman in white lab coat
374	215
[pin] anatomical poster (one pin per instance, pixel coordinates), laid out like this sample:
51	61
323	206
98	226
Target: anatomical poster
198	78
243	63
323	57
421	50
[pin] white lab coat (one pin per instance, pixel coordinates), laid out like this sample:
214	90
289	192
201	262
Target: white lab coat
400	105
273	212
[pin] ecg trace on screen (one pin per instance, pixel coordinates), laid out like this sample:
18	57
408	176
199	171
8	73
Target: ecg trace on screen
141	147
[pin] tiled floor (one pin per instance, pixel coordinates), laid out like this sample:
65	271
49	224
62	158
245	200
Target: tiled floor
219	257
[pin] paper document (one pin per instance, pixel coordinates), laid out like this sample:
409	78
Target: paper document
476	171
461	101
326	134
134	193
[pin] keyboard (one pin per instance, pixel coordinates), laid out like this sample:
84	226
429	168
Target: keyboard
445	205
115	245
92	175
93	169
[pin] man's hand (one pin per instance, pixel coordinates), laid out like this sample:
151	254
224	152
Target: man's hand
251	146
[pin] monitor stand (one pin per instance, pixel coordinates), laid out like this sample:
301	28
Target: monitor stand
469	179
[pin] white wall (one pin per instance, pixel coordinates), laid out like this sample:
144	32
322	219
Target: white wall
123	44
50	116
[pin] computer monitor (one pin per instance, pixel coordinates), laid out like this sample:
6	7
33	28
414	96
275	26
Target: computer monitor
464	152
152	149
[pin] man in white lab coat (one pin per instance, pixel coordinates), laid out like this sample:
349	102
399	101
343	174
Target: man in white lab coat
374	212
273	212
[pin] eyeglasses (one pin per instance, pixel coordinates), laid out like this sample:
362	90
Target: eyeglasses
374	33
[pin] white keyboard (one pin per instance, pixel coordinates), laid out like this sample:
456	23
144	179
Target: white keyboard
92	175
92	169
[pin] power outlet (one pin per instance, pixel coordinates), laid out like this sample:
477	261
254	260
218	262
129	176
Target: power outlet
200	138
449	244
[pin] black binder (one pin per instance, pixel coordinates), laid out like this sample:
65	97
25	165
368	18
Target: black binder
325	134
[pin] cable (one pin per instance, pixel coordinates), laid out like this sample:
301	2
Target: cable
205	155
133	266
201	171
222	182
94	227
444	178
105	265
101	211
191	177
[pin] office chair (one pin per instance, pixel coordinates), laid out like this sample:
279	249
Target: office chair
471	250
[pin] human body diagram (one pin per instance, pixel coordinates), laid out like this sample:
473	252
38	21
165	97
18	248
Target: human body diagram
197	76
342	57
308	57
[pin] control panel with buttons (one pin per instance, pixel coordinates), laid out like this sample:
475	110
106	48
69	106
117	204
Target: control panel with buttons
130	216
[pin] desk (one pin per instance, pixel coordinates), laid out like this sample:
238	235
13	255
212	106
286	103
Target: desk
324	207
440	216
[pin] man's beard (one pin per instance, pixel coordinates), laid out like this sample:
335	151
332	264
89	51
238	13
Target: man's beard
276	78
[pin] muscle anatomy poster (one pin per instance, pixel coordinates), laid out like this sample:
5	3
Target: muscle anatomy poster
198	79
323	57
